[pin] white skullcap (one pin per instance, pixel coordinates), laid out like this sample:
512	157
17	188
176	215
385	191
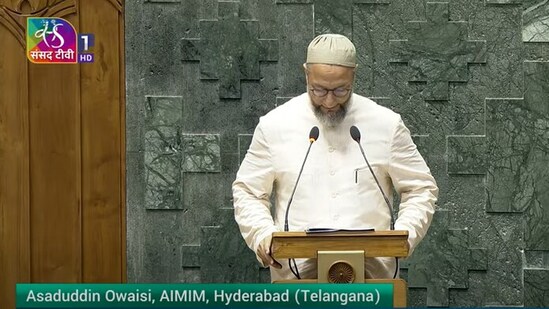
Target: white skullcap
332	49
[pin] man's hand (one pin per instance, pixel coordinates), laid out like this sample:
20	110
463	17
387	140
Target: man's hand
264	252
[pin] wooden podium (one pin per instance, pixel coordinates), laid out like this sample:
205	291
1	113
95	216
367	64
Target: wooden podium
287	245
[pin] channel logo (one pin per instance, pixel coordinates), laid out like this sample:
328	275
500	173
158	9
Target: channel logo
52	40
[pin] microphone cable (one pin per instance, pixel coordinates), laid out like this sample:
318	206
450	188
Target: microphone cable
313	136
355	135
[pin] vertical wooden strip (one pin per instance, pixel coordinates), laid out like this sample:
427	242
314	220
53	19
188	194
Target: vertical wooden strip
122	111
25	206
55	167
102	146
14	169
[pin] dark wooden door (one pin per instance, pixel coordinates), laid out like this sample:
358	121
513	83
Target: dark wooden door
62	151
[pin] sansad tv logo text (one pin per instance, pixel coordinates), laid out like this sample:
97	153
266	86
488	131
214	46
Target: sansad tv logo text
54	40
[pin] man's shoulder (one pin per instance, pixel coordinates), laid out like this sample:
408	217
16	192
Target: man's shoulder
369	107
284	112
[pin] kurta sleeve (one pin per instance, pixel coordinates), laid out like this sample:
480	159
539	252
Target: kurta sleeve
252	190
412	179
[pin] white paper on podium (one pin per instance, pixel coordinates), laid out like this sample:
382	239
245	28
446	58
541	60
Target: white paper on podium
314	230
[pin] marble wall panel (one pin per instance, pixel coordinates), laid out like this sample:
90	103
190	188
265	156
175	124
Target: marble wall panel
469	78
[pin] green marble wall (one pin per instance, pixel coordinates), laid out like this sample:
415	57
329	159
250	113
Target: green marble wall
470	78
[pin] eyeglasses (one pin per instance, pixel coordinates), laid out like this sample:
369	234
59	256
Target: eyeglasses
338	92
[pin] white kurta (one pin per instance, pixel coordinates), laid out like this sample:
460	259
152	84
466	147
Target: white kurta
336	188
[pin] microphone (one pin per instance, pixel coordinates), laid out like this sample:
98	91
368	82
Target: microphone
355	135
313	136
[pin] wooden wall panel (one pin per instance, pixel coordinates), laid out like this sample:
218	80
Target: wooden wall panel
62	152
102	145
55	171
14	169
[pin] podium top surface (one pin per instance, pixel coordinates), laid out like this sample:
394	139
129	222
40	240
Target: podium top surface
374	243
399	233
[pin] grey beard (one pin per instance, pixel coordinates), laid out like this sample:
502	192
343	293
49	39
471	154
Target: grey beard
331	120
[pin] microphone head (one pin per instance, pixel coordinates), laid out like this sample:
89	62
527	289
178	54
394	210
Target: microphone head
355	134
313	135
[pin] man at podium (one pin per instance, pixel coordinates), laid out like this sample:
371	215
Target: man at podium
330	158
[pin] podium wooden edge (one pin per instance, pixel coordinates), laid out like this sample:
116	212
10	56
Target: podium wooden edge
399	288
375	244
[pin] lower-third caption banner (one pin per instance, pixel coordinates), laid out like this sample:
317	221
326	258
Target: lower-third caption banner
203	295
